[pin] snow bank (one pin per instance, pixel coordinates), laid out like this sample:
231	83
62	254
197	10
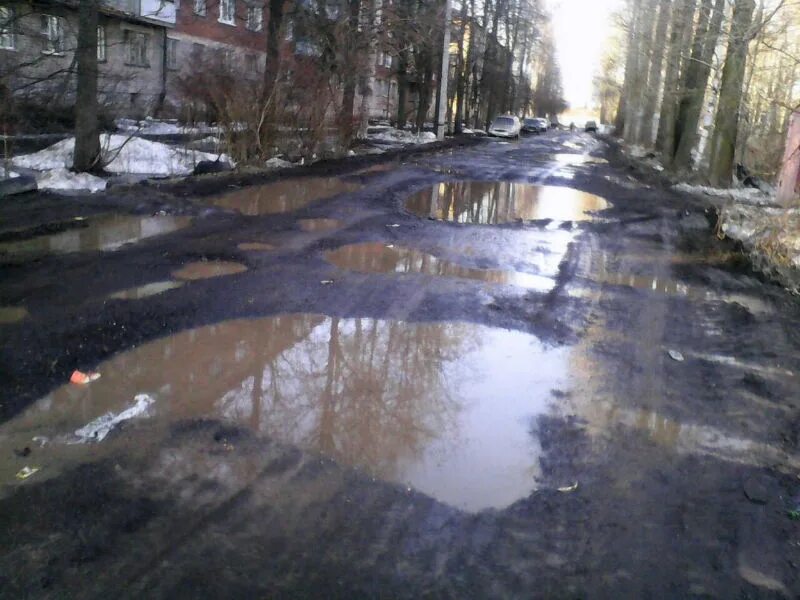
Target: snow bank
400	136
62	179
155	127
770	235
277	163
9	175
122	154
745	195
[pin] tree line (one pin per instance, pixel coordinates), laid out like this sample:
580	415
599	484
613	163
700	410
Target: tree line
707	84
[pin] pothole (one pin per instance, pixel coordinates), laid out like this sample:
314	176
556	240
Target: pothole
375	257
283	196
103	234
145	291
446	408
493	203
12	314
315	225
256	247
207	269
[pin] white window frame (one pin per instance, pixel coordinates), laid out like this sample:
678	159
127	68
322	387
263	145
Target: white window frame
387	60
8	39
199	8
227	12
255	18
132	60
172	54
53	33
102	52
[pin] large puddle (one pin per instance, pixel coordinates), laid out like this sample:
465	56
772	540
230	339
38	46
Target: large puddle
283	196
445	408
492	203
375	257
103	234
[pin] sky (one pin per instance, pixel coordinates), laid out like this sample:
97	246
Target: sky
581	28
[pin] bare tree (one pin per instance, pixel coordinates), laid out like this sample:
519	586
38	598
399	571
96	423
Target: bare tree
87	135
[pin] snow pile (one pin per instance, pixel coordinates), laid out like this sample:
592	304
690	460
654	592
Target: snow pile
154	127
62	179
122	154
400	136
277	163
771	236
9	175
744	195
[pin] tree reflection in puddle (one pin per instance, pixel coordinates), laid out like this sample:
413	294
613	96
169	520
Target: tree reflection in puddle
283	196
445	408
494	203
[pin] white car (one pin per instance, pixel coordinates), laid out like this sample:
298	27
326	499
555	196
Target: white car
507	126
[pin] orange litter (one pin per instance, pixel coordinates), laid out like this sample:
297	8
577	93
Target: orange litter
81	378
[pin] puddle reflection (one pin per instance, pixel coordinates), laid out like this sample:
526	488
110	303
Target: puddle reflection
493	203
376	257
103	234
283	196
579	159
314	225
12	314
206	269
144	291
446	408
256	247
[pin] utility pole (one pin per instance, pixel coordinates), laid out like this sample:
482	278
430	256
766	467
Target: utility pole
444	74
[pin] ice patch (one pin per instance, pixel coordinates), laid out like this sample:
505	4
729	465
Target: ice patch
97	430
122	154
749	195
62	179
7	175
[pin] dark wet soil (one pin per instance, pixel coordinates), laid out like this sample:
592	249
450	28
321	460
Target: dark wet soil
410	431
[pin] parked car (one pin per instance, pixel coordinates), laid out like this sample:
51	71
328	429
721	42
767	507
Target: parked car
507	126
590	127
534	125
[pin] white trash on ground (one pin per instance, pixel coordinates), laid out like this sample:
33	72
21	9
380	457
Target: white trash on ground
97	430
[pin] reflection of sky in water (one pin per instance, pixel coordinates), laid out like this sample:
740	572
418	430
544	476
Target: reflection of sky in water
102	233
493	203
445	407
375	257
283	196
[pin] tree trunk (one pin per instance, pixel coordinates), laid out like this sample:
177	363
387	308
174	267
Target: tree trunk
87	135
461	71
723	142
682	18
644	46
654	77
696	81
368	85
630	66
350	76
272	65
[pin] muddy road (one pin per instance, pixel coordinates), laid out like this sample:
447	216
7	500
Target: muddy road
505	369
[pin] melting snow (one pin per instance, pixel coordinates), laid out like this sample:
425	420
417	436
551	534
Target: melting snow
62	179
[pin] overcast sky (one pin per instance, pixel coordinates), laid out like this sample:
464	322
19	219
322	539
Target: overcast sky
581	28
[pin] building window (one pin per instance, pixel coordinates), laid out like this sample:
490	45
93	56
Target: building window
137	44
101	43
289	31
255	18
172	54
53	33
307	47
7	39
380	58
387	61
227	11
251	64
200	7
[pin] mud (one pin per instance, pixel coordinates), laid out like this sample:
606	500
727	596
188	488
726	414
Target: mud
297	461
317	225
256	247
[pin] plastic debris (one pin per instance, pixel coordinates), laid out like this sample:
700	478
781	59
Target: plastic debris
81	378
41	440
675	355
26	472
569	488
394	225
97	430
326	281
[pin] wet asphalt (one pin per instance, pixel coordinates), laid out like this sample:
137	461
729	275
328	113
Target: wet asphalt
664	439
